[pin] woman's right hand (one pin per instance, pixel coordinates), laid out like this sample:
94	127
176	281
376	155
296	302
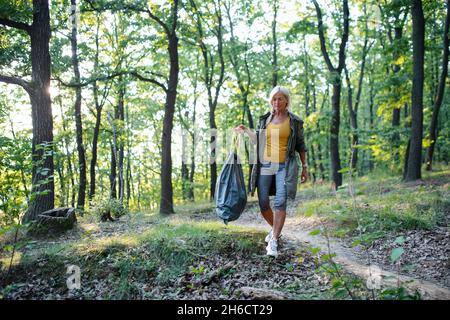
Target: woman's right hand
241	129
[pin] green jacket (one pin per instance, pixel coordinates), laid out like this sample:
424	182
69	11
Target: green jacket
296	143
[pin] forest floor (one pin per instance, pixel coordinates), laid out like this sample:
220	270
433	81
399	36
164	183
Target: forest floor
330	242
363	230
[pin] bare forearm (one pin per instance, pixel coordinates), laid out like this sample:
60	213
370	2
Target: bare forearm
303	157
252	135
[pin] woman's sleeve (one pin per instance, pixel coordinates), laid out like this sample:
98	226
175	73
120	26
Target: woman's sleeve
300	143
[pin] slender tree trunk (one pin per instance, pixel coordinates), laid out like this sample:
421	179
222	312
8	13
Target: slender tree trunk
371	120
71	186
334	135
166	202
335	100
243	88
192	133
78	121
113	173
396	111
415	153
94	146
208	73
113	170
139	186
98	115
440	93
193	145
313	159
129	179
274	45
319	149
120	117
396	68
353	122
184	164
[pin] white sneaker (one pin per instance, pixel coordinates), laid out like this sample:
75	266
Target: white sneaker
272	248
269	236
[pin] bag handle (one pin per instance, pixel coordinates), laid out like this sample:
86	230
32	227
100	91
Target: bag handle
236	142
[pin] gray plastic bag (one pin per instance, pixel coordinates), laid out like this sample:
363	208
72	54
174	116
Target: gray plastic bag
230	195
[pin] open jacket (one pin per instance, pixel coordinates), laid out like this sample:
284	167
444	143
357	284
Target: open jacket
296	143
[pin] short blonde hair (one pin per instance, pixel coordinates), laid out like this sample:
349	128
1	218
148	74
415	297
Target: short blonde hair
284	91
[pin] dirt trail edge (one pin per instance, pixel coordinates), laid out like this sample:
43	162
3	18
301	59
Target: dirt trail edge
293	231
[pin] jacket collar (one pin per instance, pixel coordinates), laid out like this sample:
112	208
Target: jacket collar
267	117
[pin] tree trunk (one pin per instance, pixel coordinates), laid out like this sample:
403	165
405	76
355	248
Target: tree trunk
353	122
98	110
78	122
274	45
415	153
243	88
440	93
184	164
212	101
41	109
129	178
396	111
114	156
335	100
70	186
166	202
139	186
113	171
334	135
313	159
120	118
371	120
98	115
396	68
193	145
319	158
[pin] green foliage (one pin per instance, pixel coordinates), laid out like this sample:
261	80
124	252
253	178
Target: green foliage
131	41
101	205
15	172
396	254
398	294
382	205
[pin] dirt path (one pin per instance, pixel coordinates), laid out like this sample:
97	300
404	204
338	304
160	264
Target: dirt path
295	231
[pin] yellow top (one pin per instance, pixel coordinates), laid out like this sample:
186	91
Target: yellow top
276	141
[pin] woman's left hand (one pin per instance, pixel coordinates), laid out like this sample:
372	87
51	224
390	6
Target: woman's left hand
304	176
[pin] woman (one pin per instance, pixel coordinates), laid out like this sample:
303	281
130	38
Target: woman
278	137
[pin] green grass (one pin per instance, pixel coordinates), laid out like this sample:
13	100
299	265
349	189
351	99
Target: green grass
159	255
382	203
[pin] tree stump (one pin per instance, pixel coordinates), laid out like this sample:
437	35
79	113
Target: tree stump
55	221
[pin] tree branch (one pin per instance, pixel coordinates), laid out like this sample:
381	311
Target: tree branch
113	6
322	37
344	36
12	80
88	82
142	78
159	21
15	24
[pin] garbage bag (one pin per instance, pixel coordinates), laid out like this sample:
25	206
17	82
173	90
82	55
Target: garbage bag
230	195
